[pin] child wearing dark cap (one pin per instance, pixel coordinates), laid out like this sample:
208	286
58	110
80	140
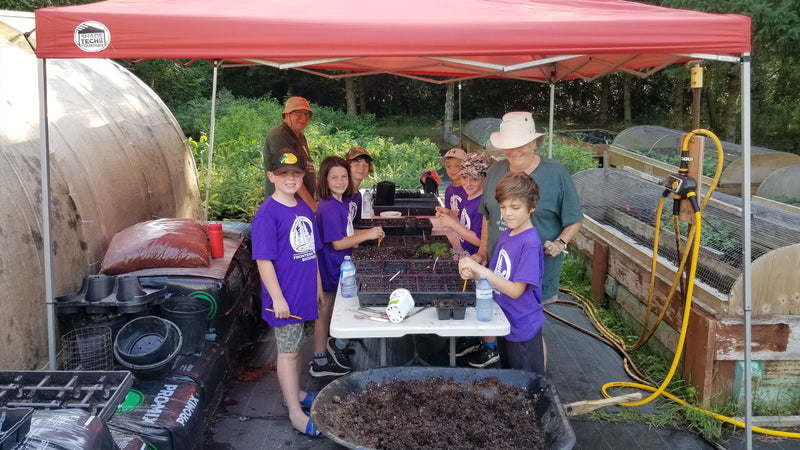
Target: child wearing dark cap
285	244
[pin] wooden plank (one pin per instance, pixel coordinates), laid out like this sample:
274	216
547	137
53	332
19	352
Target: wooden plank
775	284
698	357
599	269
775	338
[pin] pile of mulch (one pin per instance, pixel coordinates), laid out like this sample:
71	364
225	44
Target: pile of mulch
436	414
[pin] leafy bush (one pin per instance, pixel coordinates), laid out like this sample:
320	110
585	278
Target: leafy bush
574	157
237	174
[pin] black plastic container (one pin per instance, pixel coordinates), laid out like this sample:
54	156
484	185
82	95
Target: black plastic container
14	427
399	226
148	346
546	405
190	314
384	193
100	294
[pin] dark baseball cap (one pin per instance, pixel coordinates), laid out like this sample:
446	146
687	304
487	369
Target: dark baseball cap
285	159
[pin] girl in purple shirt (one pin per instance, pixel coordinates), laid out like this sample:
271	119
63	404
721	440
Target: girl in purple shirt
338	239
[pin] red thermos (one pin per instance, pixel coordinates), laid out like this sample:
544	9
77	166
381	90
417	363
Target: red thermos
215	238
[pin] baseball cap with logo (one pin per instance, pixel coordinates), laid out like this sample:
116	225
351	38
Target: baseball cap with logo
355	152
296	103
284	160
454	153
516	130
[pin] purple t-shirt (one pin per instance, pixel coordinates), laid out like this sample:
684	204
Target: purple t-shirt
333	222
287	236
472	220
355	207
520	258
453	197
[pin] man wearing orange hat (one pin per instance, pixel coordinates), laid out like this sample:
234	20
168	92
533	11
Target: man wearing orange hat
289	134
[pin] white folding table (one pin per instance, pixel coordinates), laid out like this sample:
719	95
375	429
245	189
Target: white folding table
345	325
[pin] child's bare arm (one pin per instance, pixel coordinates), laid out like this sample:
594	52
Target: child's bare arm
358	237
270	280
471	270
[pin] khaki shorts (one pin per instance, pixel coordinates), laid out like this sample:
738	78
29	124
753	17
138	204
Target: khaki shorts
291	338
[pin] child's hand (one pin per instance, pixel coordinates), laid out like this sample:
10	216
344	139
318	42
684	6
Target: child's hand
447	220
376	233
469	269
281	308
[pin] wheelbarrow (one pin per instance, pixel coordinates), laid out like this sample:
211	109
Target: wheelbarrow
547	408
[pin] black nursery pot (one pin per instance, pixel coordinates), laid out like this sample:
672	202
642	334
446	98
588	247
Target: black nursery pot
443	312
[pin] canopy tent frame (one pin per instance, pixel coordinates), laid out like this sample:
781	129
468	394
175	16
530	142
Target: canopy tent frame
462	40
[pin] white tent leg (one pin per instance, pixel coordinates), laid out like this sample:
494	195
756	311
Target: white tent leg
47	243
746	277
211	137
550	123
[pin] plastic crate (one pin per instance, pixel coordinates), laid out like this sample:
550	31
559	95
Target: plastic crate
14	426
97	392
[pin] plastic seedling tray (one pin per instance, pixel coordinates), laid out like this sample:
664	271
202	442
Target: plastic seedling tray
14	425
97	392
399	226
103	293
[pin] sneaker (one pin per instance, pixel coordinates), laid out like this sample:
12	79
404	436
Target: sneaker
330	369
465	346
484	357
338	355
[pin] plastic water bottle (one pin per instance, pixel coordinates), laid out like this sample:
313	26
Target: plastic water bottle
366	204
484	300
347	278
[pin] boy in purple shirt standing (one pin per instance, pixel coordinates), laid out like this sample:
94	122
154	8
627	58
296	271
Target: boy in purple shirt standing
516	277
285	244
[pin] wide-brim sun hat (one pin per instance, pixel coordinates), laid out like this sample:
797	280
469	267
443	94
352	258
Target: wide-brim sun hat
516	130
297	103
475	165
454	153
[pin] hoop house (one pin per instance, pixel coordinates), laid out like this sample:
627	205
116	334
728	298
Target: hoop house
620	209
656	150
783	186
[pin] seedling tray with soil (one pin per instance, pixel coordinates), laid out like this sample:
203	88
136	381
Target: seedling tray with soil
442	408
398	226
405	247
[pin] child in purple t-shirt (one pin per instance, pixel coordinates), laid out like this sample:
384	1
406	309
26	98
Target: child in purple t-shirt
515	273
360	163
469	222
338	239
454	194
285	244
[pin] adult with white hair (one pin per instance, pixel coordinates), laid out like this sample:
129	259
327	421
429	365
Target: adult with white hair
558	214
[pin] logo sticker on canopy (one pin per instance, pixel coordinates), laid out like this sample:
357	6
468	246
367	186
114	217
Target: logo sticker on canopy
92	36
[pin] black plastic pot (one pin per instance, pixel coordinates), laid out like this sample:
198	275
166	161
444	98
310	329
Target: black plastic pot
546	404
190	314
148	346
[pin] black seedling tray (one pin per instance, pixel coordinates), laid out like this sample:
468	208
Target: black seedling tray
103	293
97	392
398	226
374	290
15	425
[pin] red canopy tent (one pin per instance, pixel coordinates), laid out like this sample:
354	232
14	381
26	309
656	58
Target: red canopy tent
438	41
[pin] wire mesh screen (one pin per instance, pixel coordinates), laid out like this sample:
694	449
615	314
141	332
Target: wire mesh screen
88	348
664	144
627	204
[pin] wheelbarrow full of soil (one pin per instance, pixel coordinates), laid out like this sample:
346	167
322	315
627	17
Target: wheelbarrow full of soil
442	408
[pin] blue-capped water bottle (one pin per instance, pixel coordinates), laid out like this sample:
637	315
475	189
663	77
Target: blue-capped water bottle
347	278
484	300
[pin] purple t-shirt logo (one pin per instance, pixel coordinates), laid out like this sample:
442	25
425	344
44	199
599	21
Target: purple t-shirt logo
301	238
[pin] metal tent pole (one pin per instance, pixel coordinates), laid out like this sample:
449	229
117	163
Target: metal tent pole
211	137
552	110
747	274
47	243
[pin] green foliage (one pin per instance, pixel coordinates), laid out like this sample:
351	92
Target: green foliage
576	275
574	157
237	174
434	250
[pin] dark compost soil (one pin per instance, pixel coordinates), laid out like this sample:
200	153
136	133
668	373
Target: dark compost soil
436	414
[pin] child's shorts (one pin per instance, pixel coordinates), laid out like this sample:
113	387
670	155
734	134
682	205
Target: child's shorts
291	338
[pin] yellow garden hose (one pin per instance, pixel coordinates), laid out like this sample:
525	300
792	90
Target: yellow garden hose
692	248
